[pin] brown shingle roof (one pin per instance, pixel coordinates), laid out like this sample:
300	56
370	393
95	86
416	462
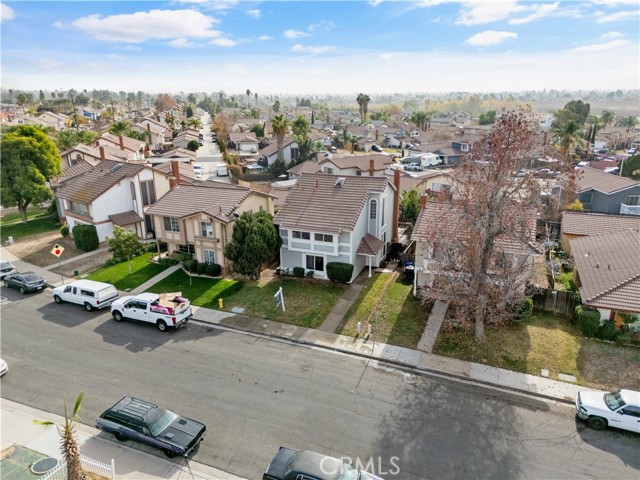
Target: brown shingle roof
218	201
308	166
583	223
370	245
589	178
609	268
125	218
361	162
317	204
89	185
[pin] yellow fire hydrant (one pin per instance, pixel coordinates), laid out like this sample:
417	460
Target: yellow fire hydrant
220	304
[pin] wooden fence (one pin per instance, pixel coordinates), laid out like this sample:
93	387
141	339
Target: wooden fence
557	301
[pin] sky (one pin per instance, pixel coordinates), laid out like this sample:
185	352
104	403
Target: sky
325	47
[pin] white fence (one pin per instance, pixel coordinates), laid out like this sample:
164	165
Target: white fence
88	464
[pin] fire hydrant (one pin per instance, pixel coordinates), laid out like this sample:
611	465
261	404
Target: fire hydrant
220	304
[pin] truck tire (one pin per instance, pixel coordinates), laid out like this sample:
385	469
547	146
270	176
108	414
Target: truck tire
597	423
162	325
57	299
87	306
117	316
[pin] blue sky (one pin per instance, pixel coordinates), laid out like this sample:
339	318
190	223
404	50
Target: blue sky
332	47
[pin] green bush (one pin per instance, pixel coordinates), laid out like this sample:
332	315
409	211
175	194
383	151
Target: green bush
86	237
628	338
183	257
112	261
214	270
588	321
64	230
52	209
200	268
522	310
608	330
298	272
191	265
168	261
309	274
339	272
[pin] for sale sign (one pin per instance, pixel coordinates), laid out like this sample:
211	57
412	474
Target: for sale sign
57	250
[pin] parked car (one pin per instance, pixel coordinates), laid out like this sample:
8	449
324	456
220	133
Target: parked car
25	282
88	293
4	368
6	268
632	151
619	409
289	464
134	419
413	167
376	148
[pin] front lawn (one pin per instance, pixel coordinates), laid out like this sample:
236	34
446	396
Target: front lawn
387	302
118	275
36	225
15	217
306	304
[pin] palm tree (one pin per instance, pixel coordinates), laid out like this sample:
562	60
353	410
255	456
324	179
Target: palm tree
248	98
607	117
69	444
346	137
566	136
194	122
363	102
628	122
420	119
120	127
301	127
22	101
280	127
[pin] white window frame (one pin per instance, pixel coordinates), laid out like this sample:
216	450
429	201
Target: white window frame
206	229
209	256
324	262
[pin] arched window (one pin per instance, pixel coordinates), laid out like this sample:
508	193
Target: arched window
373	209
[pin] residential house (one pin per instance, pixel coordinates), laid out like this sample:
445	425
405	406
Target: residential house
607	271
290	152
111	193
440	230
179	154
244	142
130	149
331	218
157	135
199	218
57	121
583	224
308	166
606	193
86	153
374	164
183	138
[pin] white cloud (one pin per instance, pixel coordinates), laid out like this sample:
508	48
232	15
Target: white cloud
292	34
375	3
255	13
611	35
479	12
312	49
613	3
223	42
130	48
6	12
115	56
181	42
615	17
539	11
387	56
431	3
323	25
264	38
212	5
601	47
489	37
142	26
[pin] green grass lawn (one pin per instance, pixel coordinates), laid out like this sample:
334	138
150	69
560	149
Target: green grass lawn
118	275
306	304
543	341
38	223
397	317
32	213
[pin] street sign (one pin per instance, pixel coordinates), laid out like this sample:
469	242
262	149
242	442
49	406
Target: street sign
57	250
279	298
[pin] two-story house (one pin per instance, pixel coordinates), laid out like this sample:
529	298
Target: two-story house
111	193
606	193
331	218
290	152
199	218
244	142
374	164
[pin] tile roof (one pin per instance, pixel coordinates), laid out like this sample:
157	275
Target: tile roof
88	186
180	153
272	148
185	169
239	137
609	268
361	162
218	201
317	204
583	223
444	221
370	245
308	166
126	218
129	143
590	178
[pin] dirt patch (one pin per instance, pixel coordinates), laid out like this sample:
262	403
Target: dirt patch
608	366
36	250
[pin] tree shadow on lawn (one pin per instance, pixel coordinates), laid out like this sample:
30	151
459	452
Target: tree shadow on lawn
407	324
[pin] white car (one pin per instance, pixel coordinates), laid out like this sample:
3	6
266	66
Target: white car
6	268
4	368
620	409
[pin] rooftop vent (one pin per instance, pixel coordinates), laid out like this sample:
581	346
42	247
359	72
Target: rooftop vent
340	181
117	167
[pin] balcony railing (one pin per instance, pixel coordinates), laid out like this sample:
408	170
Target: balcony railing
630	209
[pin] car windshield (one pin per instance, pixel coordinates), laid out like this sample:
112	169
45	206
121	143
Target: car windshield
162	422
4	265
613	400
32	278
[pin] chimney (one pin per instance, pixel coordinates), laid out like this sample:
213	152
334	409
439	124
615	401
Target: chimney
376	135
174	179
121	143
544	139
371	167
396	206
149	127
102	153
423	200
316	183
147	151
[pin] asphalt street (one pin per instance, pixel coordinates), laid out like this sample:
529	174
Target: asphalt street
256	394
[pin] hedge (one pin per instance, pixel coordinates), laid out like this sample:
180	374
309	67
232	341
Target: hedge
86	237
298	272
214	270
339	272
588	321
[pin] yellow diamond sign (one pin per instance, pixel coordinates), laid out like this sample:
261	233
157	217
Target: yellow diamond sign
57	250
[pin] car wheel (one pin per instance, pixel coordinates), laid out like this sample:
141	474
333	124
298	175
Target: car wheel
21	290
6	284
597	423
87	306
162	326
119	436
57	299
169	453
117	316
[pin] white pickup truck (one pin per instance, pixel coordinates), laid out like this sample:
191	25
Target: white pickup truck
165	310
